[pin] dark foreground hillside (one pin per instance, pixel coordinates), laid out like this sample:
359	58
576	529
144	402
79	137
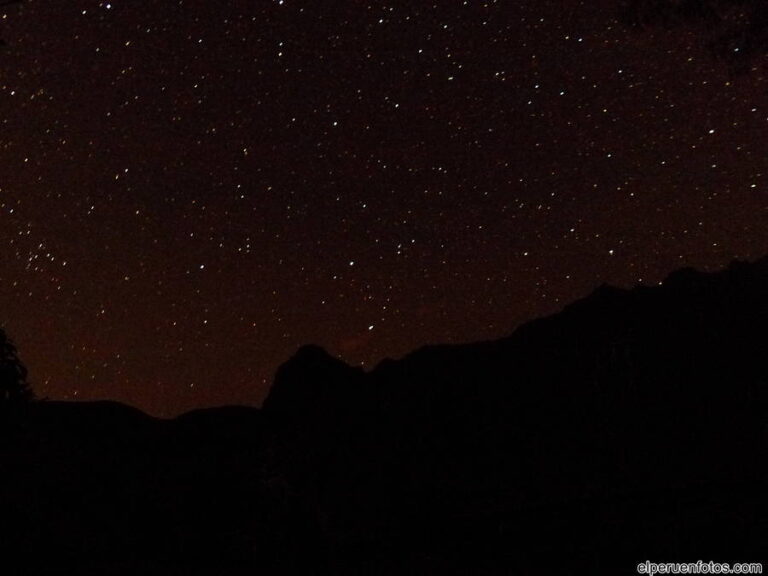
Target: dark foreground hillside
631	426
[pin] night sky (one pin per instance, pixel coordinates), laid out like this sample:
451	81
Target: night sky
190	190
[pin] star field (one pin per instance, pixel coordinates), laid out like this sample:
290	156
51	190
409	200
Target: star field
191	190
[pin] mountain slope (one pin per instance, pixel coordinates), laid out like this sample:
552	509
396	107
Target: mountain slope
651	400
630	426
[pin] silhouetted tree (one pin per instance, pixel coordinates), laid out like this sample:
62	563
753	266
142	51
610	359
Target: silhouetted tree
736	30
13	374
4	3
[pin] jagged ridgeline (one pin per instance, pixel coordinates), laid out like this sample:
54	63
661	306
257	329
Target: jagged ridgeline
629	427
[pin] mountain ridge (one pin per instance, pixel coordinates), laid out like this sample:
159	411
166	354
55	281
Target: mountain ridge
632	425
606	294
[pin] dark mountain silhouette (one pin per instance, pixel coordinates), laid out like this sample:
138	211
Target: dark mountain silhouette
630	426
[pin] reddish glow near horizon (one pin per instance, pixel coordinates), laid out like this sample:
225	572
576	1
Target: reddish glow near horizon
189	192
